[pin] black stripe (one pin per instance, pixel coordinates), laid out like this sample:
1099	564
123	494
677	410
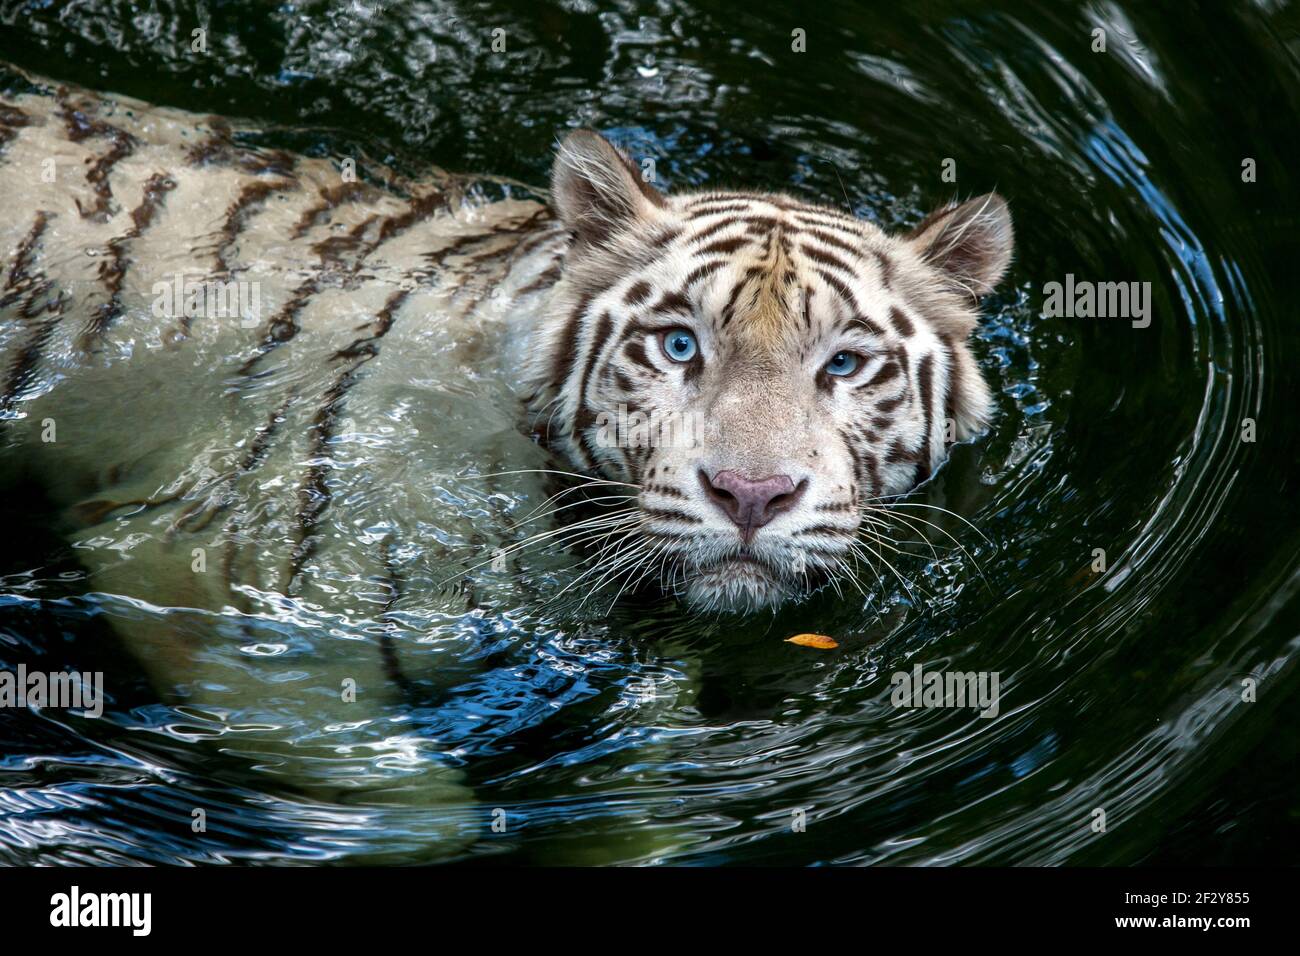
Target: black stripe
826	258
12	119
822	235
122	146
954	385
35	287
566	354
898	318
255	454
282	326
19	278
544	281
330	198
387	649
674	302
855	454
250	199
705	269
420	208
718	226
221	149
703	209
638	293
823	529
729	310
692	369
862	322
77	124
635	351
670	514
313	493
25	363
724	246
604	325
924	377
547	233
668	491
873	473
838	285
756	225
886	269
898	455
113	270
830	220
665	238
886	373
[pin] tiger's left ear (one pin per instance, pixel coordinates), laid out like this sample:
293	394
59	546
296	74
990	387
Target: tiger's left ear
969	243
597	190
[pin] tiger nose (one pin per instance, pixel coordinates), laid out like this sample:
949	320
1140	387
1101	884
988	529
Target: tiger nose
751	502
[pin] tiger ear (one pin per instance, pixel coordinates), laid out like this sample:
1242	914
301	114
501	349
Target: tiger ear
597	190
969	243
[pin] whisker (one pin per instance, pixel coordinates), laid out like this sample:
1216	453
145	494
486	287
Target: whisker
649	566
620	549
631	556
597	523
877	531
901	579
890	543
583	486
922	504
908	519
850	576
532	516
551	471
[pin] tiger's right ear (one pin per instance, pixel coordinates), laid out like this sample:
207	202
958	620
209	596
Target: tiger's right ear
970	244
597	190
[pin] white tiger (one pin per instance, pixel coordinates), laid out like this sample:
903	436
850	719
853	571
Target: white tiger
828	363
416	335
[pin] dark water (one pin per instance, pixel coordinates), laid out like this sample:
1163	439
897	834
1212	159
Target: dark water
1121	688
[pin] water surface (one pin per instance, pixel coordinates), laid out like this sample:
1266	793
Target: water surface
1121	688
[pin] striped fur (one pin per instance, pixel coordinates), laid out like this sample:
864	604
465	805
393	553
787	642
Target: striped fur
772	288
274	511
316	458
289	467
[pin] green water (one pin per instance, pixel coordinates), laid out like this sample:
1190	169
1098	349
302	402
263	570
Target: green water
1121	688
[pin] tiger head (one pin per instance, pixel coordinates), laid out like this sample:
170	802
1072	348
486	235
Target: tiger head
761	371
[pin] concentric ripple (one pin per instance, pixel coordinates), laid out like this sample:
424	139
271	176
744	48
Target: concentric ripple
1122	549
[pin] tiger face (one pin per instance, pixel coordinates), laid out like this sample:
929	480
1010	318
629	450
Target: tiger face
760	371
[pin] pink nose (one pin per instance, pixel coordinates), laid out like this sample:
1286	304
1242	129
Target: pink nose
751	502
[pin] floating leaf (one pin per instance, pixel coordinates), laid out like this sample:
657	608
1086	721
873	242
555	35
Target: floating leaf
820	641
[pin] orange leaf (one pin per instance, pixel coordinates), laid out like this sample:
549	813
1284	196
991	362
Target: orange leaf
820	641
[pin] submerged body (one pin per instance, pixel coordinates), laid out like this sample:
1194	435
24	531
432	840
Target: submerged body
245	470
371	419
144	413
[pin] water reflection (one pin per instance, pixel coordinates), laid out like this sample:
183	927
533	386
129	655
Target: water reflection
647	735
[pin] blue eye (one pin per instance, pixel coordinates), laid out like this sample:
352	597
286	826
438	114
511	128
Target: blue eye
843	363
680	345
